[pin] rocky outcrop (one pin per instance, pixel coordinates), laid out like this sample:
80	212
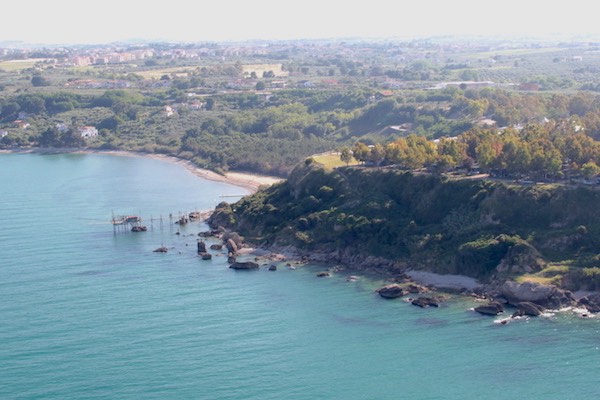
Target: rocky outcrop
416	289
235	237
391	291
492	308
521	258
231	246
273	267
548	296
528	308
591	302
244	265
426	302
201	247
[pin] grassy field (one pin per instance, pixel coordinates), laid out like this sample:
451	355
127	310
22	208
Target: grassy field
332	160
551	275
158	73
260	68
18	65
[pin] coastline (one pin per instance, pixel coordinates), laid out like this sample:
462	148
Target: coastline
249	181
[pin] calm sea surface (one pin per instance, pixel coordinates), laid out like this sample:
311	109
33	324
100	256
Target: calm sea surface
86	313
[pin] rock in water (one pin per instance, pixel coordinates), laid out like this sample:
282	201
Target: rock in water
230	258
417	289
323	274
591	302
544	295
528	308
391	291
216	246
244	265
231	246
161	249
273	267
205	256
201	247
493	308
425	302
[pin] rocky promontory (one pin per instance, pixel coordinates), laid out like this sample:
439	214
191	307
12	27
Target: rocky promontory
386	222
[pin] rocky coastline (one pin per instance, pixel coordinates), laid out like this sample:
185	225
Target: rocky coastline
501	297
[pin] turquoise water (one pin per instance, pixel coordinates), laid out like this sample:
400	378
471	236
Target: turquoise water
89	314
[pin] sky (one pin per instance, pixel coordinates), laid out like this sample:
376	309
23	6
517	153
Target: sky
84	21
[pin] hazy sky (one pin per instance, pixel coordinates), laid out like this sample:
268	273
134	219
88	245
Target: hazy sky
84	21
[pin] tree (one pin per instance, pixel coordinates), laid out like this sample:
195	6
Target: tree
10	110
346	155
210	104
260	85
361	151
377	154
590	170
38	80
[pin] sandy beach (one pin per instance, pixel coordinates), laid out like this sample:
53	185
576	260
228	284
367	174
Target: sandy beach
248	181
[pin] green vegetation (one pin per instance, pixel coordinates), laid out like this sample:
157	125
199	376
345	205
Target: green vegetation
266	108
419	115
478	228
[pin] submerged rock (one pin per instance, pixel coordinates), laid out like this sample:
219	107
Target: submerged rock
244	265
323	274
273	267
161	249
391	291
216	246
205	256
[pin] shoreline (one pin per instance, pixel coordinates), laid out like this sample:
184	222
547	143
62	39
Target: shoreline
438	287
249	181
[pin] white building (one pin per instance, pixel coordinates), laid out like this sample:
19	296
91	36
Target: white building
87	131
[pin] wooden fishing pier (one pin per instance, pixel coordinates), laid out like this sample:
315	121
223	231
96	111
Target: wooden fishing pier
133	223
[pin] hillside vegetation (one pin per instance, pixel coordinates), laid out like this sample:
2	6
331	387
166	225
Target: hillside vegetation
484	229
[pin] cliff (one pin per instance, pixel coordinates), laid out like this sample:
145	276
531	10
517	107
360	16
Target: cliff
392	220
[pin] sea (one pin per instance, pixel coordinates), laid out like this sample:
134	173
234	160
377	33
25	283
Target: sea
90	312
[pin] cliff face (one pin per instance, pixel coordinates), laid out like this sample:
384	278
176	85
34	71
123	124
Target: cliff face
478	228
